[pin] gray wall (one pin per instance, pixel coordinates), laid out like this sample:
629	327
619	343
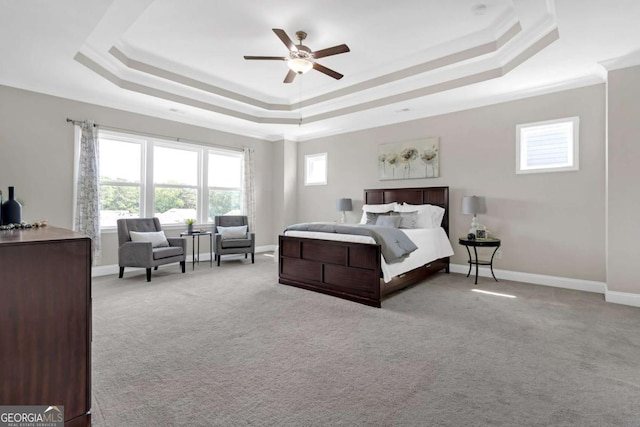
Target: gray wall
284	186
623	178
551	224
36	156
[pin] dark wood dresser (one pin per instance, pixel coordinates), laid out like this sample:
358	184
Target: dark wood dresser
45	320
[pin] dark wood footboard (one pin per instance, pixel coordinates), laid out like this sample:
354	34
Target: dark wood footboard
342	269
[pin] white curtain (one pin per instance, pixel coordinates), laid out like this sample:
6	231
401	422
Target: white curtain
249	188
86	212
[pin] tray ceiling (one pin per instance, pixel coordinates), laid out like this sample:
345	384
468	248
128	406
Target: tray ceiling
184	60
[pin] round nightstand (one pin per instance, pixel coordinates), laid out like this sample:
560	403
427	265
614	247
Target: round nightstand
480	243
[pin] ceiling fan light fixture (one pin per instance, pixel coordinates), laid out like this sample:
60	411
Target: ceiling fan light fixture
300	65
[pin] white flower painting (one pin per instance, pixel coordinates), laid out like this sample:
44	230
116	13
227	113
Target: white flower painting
409	160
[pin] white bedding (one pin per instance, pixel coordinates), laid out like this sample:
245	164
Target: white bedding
432	244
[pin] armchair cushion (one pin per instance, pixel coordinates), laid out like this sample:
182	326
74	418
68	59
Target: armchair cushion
239	232
157	238
236	243
160	253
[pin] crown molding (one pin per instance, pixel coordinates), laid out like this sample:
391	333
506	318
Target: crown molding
630	60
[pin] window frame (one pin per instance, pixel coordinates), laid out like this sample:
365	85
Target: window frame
308	158
147	184
573	147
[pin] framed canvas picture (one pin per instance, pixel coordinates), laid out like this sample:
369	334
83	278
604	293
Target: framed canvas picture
410	159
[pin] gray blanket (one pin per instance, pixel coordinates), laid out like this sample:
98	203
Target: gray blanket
395	245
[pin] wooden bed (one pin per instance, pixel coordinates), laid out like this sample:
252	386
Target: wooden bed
353	270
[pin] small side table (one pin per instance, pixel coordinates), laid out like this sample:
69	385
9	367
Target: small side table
193	246
480	243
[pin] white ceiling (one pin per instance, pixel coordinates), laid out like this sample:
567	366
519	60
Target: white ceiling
184	60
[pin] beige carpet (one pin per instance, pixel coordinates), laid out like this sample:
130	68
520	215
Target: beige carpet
228	346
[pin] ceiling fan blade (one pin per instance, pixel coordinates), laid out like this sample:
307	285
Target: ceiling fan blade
285	39
343	48
329	72
274	58
289	77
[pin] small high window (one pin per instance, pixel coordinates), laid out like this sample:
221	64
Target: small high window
315	169
550	146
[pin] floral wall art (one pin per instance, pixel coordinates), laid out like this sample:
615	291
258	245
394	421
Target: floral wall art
411	159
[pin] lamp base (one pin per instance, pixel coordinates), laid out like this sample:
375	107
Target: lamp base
475	225
344	217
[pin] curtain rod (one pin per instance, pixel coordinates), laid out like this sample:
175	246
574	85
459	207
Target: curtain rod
79	122
152	135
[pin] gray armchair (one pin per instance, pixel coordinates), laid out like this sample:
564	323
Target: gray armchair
234	245
142	254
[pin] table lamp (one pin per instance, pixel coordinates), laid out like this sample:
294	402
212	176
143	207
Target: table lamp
343	205
474	205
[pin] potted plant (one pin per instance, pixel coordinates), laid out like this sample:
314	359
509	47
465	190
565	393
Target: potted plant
190	222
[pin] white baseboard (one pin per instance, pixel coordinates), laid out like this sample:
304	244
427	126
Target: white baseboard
106	270
625	298
536	279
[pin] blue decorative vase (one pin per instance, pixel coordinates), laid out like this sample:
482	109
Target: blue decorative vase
11	210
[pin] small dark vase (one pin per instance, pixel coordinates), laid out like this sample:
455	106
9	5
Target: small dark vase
11	210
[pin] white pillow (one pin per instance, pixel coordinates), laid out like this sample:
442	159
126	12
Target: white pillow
157	238
239	232
388	207
437	213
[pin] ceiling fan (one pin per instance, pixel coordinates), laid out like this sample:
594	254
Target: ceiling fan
301	59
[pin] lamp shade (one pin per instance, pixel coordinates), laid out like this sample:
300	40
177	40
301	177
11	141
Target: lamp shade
474	205
343	205
300	65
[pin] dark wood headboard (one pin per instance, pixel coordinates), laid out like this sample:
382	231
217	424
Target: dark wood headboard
438	196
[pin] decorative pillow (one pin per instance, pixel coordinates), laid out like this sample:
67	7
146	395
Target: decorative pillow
239	232
388	207
388	221
157	238
407	219
372	217
429	216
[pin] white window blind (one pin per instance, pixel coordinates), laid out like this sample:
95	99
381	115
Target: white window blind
550	146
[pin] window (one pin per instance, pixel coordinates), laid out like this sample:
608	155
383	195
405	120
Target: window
120	178
315	169
146	177
550	146
225	181
175	181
